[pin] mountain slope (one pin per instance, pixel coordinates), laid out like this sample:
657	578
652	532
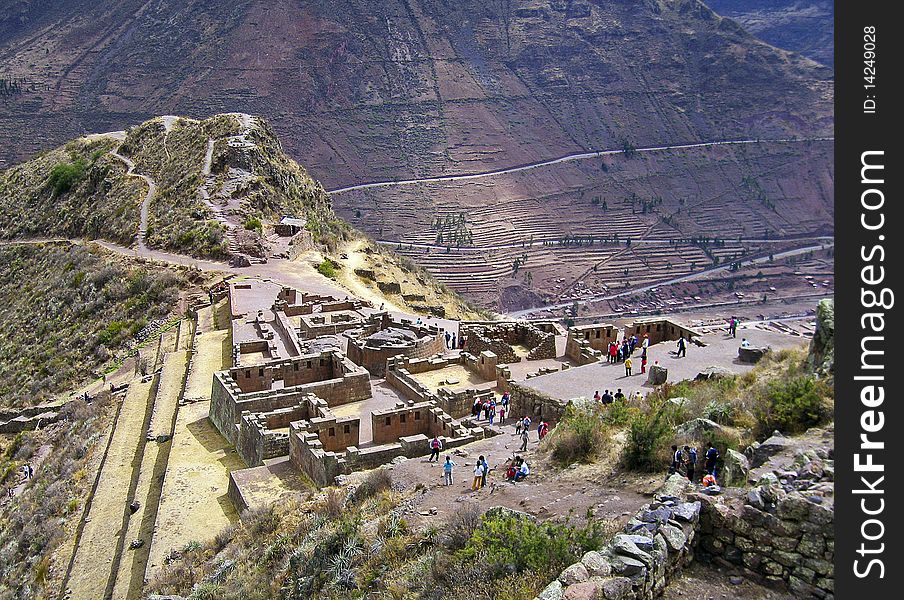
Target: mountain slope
804	26
363	91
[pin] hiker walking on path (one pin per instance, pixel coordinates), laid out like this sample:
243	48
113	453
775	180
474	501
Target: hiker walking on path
675	467
682	347
486	469
435	446
447	470
544	429
524	439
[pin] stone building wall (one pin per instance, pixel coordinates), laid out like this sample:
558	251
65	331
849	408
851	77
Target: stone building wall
659	330
535	404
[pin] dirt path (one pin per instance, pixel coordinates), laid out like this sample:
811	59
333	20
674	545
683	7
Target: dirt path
145	204
546	493
566	159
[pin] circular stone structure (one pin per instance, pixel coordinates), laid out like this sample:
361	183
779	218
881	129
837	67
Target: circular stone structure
384	338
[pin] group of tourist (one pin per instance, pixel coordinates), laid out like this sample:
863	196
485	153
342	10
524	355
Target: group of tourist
624	353
685	459
27	473
733	323
489	408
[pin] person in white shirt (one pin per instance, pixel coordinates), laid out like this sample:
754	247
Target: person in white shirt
523	472
478	476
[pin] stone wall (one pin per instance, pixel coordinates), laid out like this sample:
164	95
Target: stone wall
659	330
530	402
228	401
373	357
657	543
499	338
775	537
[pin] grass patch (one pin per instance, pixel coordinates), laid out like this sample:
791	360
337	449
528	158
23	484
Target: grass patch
328	268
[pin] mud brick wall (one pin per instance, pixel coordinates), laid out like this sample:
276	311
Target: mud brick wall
791	547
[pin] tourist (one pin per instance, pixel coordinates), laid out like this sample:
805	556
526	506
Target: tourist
628	364
513	468
486	410
461	341
518	425
486	469
506	398
619	395
448	340
475	410
709	480
492	413
478	476
745	343
523	471
637	397
620	353
597	397
646	342
607	397
613	352
418	322
690	462
454	345
712	455
632	343
502	414
643	363
676	460
447	470
682	347
435	446
524	438
544	429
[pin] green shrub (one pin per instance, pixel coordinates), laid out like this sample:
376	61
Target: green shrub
327	268
648	437
509	542
720	412
793	406
254	224
64	176
579	436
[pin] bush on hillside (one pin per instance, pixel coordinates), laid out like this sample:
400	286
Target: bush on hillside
648	438
793	405
64	176
580	436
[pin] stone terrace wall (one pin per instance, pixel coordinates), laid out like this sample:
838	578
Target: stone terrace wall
659	330
657	543
530	402
791	548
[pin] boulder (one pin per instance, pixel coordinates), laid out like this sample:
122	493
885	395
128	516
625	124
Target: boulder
554	591
586	590
758	454
674	487
596	564
627	566
617	588
735	469
574	574
755	499
658	375
713	372
626	548
687	511
752	354
695	429
821	358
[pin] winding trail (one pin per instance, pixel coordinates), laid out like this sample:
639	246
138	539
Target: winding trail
146	203
565	159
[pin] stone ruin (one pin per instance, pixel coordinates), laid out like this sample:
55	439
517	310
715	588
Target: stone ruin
501	339
381	338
